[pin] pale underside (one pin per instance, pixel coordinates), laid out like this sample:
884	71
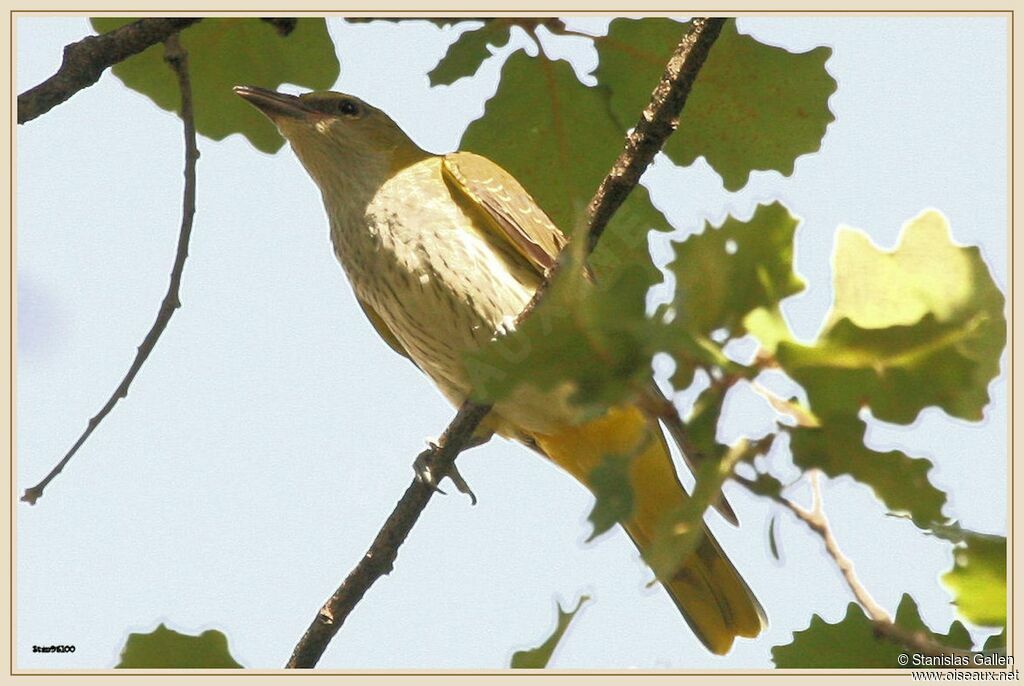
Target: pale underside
437	279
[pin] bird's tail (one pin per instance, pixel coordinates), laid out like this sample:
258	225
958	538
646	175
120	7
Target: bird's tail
708	590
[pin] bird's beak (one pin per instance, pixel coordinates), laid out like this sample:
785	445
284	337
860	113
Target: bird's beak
273	104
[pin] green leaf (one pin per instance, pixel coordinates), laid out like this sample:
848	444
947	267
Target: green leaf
852	643
613	493
558	138
165	648
766	485
769	326
918	326
908	617
468	52
702	422
226	52
561	163
978	579
996	642
725	273
753	106
539	657
901	482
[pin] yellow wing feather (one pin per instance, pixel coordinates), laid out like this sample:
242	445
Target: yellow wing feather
507	208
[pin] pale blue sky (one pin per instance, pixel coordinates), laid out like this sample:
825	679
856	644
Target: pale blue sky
271	431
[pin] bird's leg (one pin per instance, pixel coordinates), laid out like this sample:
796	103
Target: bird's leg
425	475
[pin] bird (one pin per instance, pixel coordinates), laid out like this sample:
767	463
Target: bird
442	253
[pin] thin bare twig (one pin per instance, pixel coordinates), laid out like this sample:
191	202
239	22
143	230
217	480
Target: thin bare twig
85	61
177	58
657	123
817	521
885	627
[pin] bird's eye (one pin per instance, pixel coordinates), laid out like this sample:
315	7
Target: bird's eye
349	108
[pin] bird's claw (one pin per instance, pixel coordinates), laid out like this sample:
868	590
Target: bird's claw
461	484
422	468
425	475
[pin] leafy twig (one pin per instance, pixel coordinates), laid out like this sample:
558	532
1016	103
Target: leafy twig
657	123
177	58
816	521
85	61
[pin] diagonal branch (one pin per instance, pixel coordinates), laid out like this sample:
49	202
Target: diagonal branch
658	121
816	521
85	61
177	58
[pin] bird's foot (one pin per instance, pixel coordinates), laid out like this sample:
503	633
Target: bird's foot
422	468
426	475
461	484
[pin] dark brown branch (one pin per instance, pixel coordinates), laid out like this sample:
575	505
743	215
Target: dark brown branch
640	148
380	558
659	119
177	58
85	61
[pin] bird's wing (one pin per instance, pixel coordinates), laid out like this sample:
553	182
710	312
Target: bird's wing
506	207
514	217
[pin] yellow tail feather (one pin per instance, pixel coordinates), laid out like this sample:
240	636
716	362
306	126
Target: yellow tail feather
709	592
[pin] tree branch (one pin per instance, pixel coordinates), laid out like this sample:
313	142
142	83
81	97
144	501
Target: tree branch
885	627
658	121
177	58
380	558
85	61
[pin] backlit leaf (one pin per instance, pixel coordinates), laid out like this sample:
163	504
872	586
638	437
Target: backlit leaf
753	106
226	52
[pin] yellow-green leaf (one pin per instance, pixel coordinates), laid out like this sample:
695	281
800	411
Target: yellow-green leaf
165	648
917	326
539	657
978	579
927	273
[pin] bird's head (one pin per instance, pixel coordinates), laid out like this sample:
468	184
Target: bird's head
335	135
